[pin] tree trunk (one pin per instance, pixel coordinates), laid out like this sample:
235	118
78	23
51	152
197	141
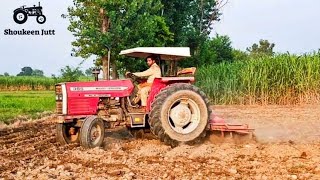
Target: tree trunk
114	71
104	29
104	60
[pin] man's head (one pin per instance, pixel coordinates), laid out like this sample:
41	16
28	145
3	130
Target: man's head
151	60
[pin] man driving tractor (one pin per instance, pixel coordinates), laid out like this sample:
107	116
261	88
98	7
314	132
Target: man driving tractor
144	88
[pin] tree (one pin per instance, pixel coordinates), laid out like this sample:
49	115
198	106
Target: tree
38	73
88	71
239	55
215	50
191	21
6	74
98	24
265	48
25	71
70	74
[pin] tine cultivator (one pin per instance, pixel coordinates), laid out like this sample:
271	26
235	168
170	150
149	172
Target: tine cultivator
218	124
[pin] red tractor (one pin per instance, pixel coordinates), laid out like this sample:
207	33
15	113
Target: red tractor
176	112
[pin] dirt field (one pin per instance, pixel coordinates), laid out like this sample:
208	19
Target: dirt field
287	148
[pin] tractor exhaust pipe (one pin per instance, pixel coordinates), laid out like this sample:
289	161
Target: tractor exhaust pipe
108	65
96	72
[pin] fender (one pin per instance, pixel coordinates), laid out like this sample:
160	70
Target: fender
160	83
19	9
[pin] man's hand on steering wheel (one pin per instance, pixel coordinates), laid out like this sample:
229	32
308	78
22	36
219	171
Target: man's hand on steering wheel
133	77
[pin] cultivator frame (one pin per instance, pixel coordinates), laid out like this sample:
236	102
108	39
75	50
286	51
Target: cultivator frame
218	124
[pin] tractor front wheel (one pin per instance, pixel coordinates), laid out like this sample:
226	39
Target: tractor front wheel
92	132
41	19
67	133
180	114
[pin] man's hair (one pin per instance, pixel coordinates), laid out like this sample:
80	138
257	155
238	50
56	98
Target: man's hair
153	57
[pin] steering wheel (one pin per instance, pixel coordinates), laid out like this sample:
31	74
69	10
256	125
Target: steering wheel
134	77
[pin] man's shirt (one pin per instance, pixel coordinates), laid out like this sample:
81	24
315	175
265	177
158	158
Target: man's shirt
153	72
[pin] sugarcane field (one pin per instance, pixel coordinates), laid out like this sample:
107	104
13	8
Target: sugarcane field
155	89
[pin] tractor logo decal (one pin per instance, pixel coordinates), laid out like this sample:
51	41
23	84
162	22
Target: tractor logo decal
20	15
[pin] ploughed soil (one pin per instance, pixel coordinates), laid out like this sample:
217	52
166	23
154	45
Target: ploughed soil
287	146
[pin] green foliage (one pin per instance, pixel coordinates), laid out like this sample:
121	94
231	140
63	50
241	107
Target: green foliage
131	23
215	50
134	23
69	74
88	72
28	71
27	104
6	74
190	21
27	83
25	71
239	55
22	83
38	73
264	48
280	79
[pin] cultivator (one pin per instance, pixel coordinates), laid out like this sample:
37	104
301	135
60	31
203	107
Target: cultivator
219	125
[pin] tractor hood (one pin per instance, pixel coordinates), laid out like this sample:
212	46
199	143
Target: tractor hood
166	53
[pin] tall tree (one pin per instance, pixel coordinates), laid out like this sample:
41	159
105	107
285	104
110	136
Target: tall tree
25	71
191	22
216	50
37	72
70	74
88	72
116	24
264	48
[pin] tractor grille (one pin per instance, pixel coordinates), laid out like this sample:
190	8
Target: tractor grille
59	107
59	103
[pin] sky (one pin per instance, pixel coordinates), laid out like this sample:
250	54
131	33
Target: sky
291	24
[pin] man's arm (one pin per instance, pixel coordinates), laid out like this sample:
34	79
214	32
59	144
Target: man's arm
147	72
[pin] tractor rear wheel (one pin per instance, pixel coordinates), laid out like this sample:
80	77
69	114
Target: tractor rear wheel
180	114
67	133
92	132
20	16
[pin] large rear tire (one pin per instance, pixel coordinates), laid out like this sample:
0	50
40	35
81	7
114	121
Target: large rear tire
67	133
180	114
20	16
92	132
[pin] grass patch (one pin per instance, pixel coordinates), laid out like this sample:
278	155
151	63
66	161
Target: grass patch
25	103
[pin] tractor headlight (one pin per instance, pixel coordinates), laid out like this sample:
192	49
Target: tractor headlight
58	97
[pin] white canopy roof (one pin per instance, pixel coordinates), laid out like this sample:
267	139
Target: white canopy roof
166	53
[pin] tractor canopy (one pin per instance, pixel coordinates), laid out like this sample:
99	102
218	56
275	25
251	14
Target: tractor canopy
165	53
